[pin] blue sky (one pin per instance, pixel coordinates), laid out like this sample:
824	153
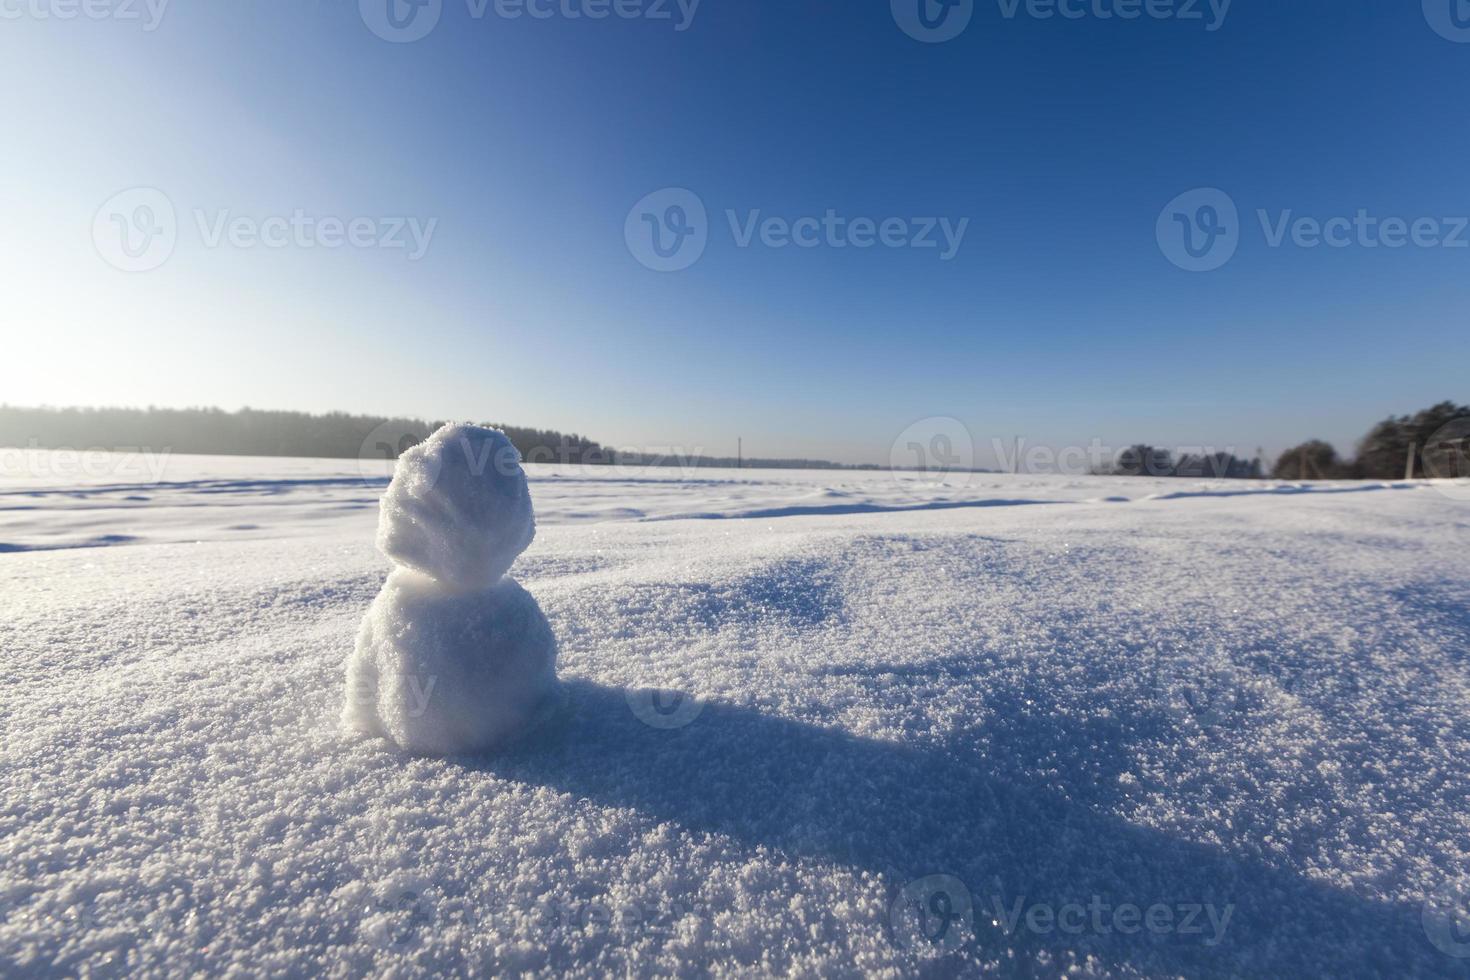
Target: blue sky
525	142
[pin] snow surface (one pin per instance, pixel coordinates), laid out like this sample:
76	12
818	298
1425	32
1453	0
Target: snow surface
792	732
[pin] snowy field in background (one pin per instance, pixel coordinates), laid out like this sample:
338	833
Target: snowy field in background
1025	725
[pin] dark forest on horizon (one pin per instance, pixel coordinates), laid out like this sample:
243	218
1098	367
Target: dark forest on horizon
1437	439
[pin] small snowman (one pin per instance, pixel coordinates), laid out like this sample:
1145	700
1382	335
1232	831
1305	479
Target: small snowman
453	656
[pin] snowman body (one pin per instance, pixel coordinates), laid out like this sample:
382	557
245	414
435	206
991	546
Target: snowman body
453	656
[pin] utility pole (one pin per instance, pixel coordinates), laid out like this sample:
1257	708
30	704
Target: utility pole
1409	466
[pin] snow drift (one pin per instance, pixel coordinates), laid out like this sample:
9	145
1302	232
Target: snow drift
1001	700
452	656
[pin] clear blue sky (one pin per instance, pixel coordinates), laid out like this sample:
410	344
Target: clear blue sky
529	140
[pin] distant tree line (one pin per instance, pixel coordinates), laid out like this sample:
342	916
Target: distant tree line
336	435
250	432
1438	439
1143	460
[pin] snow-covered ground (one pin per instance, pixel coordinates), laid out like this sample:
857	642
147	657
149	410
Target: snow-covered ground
1018	724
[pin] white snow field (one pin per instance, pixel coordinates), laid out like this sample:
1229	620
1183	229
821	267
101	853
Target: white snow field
1027	726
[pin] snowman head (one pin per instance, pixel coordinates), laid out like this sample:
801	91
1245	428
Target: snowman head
458	509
